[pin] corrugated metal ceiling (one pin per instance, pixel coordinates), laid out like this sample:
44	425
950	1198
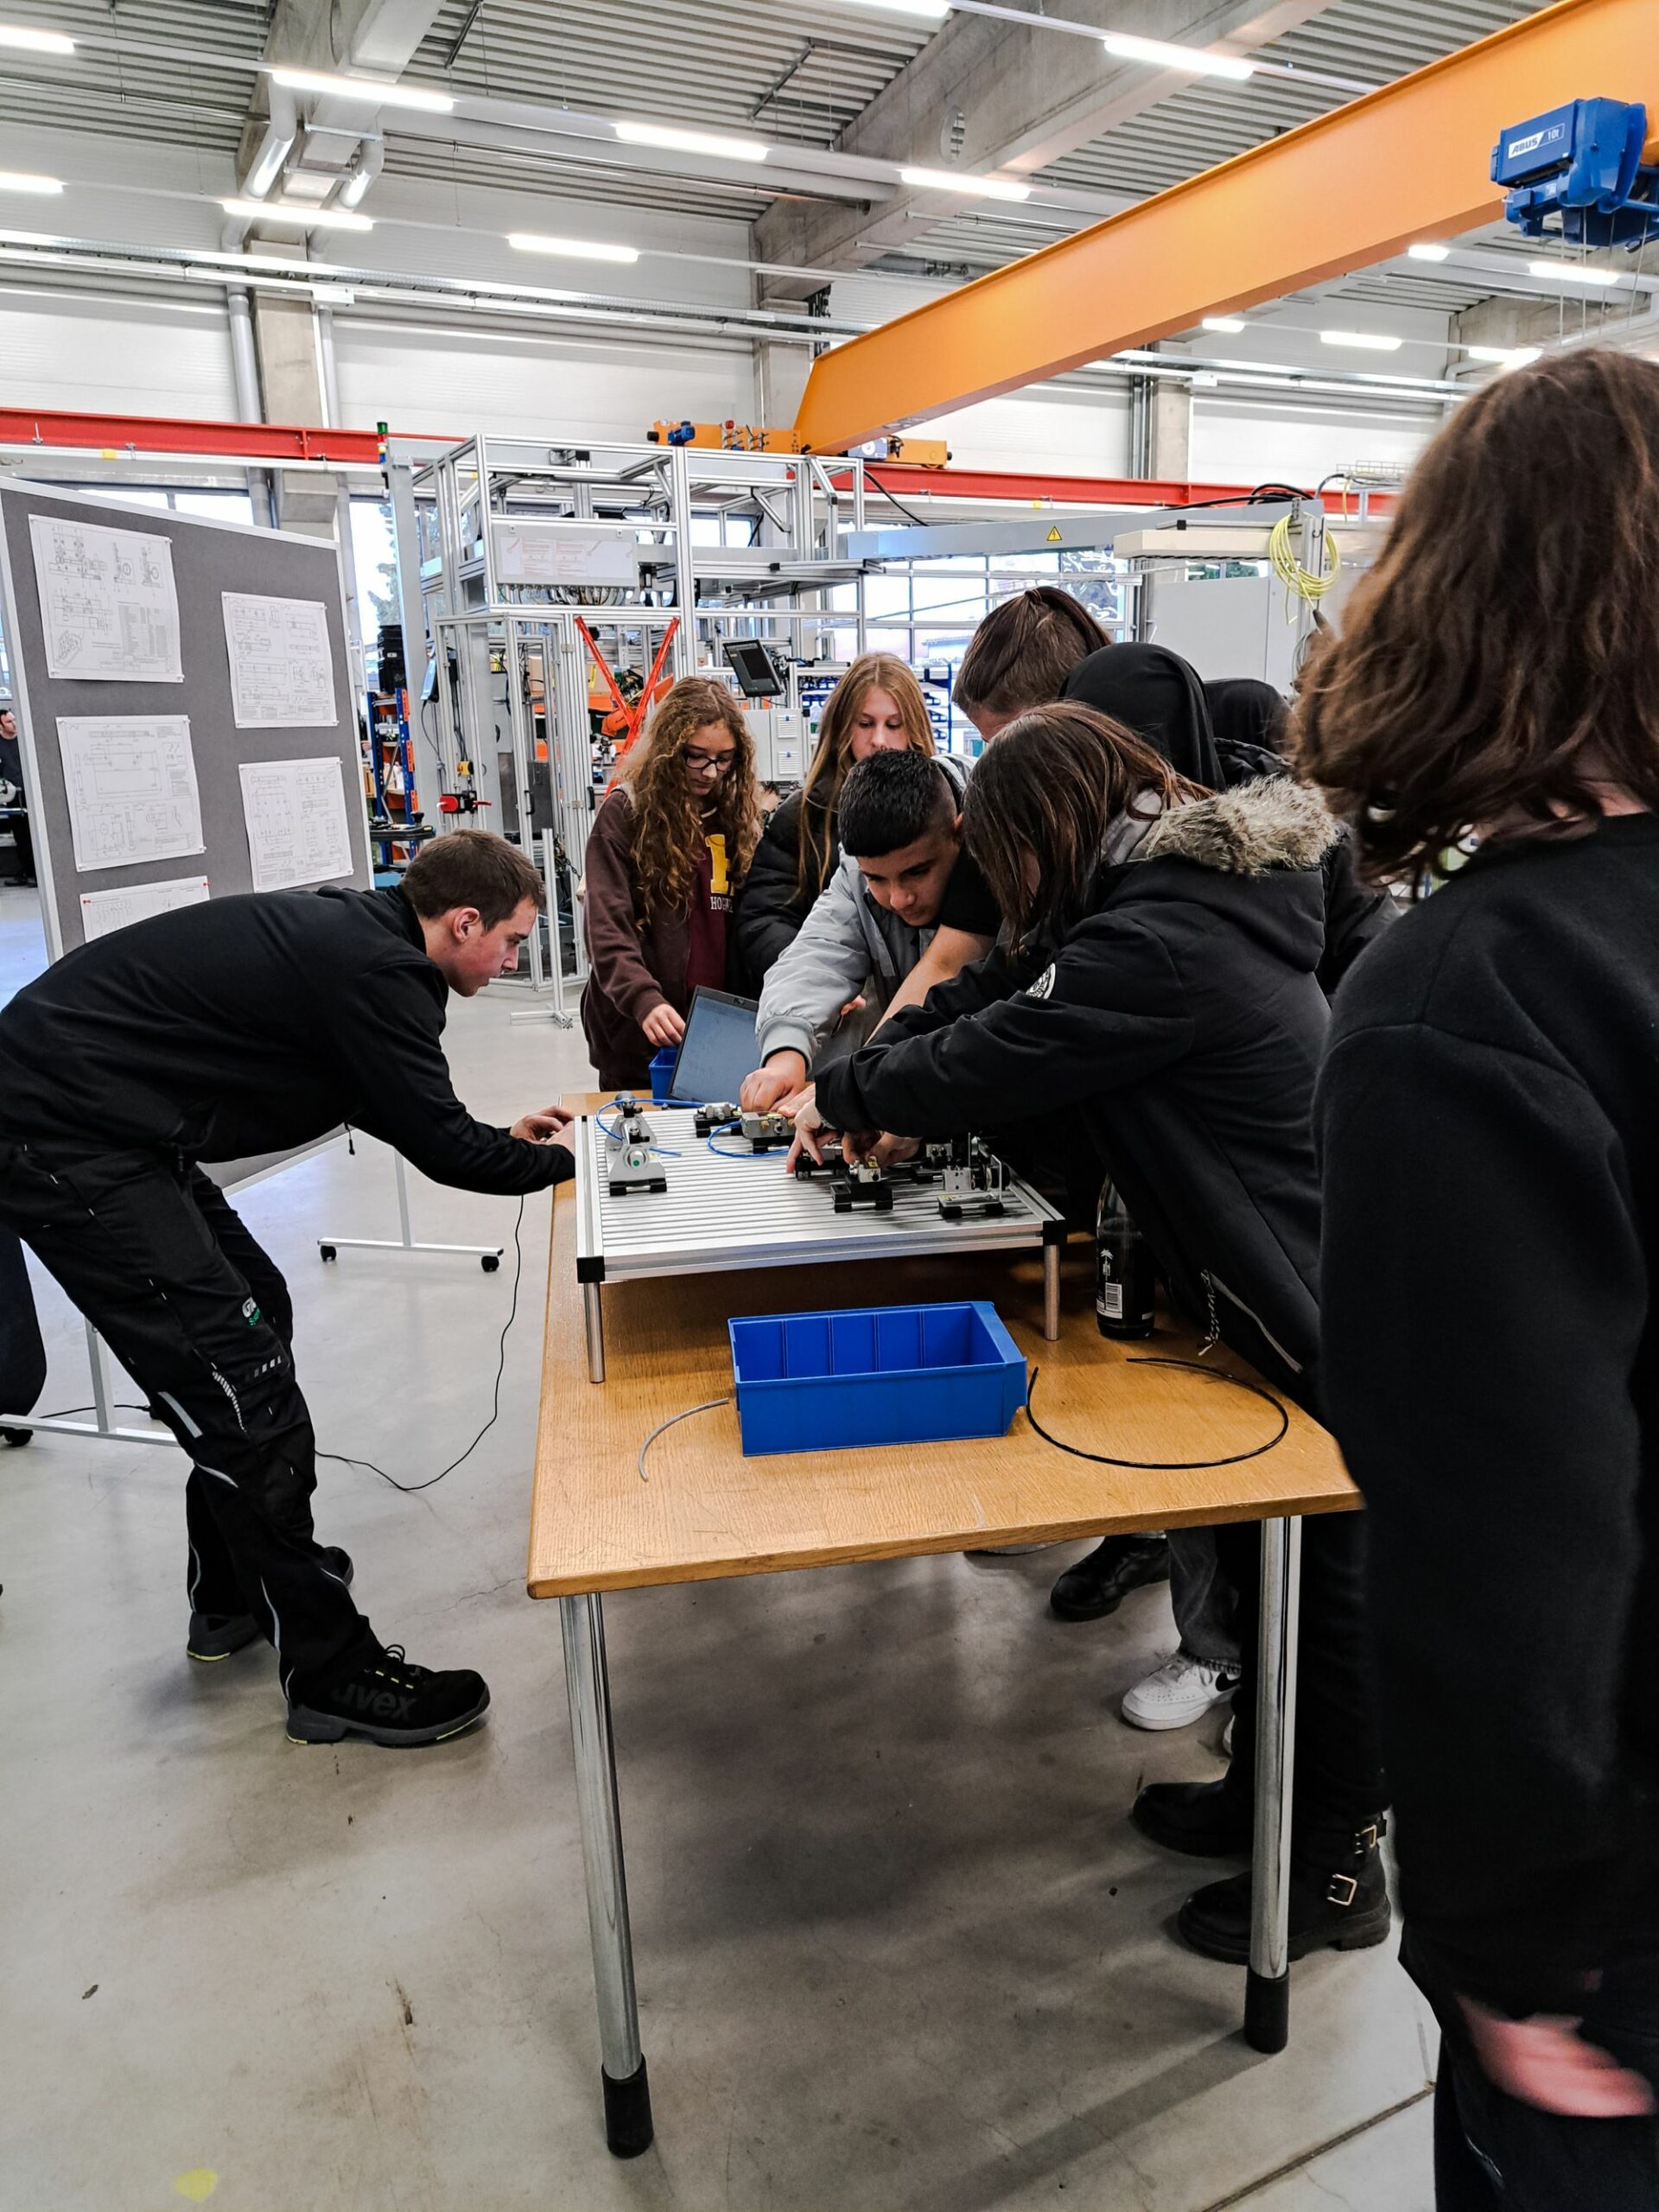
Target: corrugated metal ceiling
1372	42
132	96
797	73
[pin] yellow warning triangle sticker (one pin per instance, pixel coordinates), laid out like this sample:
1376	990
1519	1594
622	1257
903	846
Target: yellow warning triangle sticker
1054	535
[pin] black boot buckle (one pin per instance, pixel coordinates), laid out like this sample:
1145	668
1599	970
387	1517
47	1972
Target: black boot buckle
1367	1839
1343	1890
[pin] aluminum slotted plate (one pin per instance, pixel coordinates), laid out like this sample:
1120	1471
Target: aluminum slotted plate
738	1209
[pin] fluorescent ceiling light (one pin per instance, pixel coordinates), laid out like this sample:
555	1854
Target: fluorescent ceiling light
930	11
1426	252
577	249
15	180
1569	272
1369	341
980	188
1506	357
364	88
35	42
1196	58
1231	324
692	142
281	211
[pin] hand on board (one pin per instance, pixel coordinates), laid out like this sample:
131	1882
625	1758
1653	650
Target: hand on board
663	1027
809	1133
553	1125
784	1074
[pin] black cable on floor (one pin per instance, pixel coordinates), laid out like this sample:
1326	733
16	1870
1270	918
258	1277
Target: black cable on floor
1169	1466
345	1459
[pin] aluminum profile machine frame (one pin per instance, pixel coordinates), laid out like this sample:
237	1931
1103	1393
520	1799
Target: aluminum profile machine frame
446	512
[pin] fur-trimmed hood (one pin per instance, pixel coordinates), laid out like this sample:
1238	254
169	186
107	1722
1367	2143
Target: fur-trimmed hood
1251	829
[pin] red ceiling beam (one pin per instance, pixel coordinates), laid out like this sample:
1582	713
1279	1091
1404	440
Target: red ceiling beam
122	436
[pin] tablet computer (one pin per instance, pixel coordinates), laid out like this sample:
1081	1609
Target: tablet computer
718	1050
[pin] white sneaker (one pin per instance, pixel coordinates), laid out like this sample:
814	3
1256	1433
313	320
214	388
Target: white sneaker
1181	1691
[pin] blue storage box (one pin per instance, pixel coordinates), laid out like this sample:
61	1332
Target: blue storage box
874	1375
662	1072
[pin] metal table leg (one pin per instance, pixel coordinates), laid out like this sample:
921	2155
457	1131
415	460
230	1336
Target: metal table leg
1267	1990
1050	1292
593	1322
627	2092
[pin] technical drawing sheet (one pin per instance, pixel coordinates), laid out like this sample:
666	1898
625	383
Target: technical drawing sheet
282	663
131	783
109	607
103	912
295	815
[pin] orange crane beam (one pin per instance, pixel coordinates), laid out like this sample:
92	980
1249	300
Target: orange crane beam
1410	161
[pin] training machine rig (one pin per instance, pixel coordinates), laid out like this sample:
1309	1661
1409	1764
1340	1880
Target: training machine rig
972	1180
631	1159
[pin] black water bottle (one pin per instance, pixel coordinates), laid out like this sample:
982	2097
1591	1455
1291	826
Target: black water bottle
1123	1269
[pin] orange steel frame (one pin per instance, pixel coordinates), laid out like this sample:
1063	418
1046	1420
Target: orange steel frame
1410	161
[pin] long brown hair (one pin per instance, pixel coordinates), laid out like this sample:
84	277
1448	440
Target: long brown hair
833	756
1505	648
1024	649
669	830
1053	785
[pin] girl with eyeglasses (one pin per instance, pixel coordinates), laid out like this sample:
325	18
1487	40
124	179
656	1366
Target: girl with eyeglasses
669	846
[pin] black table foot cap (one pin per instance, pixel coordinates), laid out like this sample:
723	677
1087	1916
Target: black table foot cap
1266	2011
628	2114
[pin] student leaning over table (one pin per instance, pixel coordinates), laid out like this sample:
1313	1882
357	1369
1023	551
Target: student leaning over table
1179	1020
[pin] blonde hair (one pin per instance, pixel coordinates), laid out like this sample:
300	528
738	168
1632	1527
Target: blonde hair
667	839
834	755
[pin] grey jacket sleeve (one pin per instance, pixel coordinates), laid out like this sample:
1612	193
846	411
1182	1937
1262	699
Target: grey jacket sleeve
828	963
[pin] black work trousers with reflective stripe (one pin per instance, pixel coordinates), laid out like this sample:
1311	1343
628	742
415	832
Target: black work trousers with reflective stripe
157	1259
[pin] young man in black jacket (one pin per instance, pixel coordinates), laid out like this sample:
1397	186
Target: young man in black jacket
1489	1114
247	1025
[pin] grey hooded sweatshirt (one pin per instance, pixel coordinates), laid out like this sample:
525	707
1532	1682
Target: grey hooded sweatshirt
847	946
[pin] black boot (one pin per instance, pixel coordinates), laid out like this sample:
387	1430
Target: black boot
1098	1585
1339	1897
382	1696
1206	1820
215	1636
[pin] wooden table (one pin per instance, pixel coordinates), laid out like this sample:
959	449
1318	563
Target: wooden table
701	1511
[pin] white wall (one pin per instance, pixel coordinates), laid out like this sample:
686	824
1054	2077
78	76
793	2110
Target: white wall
446	378
1236	442
101	352
1058	434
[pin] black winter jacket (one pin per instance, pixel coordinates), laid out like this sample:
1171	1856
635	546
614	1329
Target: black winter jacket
250	1024
1182	1020
1489	1118
770	908
1156	693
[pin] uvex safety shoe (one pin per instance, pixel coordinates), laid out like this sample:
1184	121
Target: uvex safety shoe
379	1694
1339	1897
215	1636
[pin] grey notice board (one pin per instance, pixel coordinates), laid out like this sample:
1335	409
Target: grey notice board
209	558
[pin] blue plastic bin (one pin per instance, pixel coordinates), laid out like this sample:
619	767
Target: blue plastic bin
662	1072
874	1375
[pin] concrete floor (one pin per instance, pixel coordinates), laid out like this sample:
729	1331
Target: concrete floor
898	1945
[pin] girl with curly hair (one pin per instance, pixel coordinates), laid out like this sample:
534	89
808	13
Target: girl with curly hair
669	846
